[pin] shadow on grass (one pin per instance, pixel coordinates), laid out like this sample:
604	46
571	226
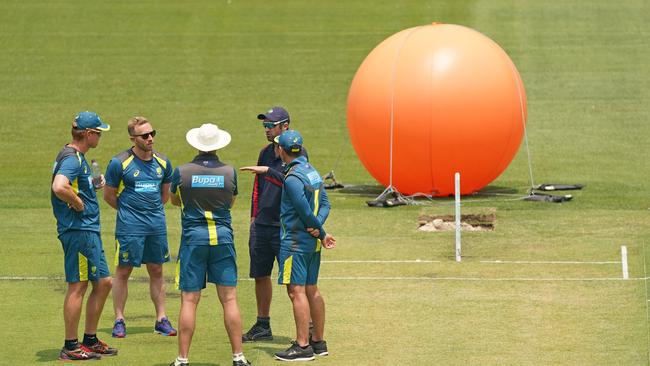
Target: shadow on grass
362	190
48	355
279	343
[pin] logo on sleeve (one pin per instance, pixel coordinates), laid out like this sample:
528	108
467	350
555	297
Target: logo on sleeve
146	186
208	181
314	178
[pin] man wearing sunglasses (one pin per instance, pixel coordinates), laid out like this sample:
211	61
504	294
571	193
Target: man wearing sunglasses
137	186
76	209
264	240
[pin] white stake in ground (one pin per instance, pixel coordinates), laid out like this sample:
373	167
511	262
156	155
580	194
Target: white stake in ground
626	274
457	196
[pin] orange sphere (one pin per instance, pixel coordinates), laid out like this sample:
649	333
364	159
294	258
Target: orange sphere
444	98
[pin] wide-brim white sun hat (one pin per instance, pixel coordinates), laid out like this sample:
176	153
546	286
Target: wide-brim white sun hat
208	137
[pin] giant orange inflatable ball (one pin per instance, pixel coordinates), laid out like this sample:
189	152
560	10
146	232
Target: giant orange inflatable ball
440	99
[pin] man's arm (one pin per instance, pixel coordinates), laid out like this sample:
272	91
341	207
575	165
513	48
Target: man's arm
110	196
63	190
294	189
175	199
174	189
164	192
324	205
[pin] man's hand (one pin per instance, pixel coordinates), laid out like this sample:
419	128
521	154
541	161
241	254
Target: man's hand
77	206
313	232
329	242
256	169
102	182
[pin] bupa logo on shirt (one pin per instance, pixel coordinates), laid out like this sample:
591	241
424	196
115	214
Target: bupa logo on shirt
207	181
146	186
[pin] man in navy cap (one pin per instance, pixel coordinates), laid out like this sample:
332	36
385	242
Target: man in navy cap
264	241
304	209
76	209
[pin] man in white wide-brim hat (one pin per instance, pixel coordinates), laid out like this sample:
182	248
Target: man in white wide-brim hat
205	189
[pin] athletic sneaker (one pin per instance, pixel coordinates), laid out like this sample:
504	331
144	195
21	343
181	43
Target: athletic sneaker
320	347
81	353
241	363
164	327
182	364
258	333
102	349
119	329
296	353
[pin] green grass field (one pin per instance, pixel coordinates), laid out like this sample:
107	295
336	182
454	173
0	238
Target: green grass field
586	71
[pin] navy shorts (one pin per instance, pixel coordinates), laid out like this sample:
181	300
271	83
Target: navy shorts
133	250
84	258
298	268
264	249
198	263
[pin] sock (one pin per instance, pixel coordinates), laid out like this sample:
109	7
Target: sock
264	321
305	347
238	357
179	361
90	339
71	344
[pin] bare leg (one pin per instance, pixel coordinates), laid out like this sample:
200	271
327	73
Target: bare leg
300	313
120	289
95	303
317	311
231	315
157	288
72	307
263	295
187	321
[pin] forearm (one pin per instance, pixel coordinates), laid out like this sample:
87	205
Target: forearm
175	199
67	195
110	196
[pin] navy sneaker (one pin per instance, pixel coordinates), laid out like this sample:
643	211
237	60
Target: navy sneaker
119	329
164	327
241	363
81	353
320	347
296	353
258	333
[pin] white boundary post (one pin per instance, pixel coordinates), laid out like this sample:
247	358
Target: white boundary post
626	274
457	199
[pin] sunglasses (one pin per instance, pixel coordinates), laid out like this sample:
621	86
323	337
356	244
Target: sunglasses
270	124
146	135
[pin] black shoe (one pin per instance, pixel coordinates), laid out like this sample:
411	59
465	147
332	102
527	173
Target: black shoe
296	353
241	363
258	333
320	347
182	364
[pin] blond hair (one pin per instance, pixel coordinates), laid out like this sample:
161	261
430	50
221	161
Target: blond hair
136	121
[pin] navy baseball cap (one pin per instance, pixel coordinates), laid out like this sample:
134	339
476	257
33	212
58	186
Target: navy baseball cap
90	120
290	140
275	114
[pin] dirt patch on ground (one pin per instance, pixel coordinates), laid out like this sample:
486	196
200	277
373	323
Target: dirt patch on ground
469	222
